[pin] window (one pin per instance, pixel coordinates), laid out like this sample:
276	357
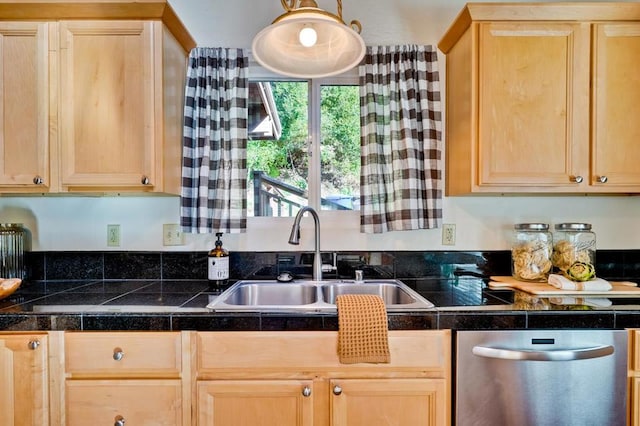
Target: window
304	146
340	147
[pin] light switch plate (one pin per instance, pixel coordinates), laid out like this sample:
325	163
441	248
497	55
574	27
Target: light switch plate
113	235
172	235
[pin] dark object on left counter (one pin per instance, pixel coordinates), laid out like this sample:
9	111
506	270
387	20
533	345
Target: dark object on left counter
218	265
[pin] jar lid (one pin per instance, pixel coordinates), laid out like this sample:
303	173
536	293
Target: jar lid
11	225
573	226
531	227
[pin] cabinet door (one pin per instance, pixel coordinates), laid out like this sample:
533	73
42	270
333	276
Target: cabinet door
255	403
533	108
135	402
616	90
24	106
24	380
107	105
634	401
364	402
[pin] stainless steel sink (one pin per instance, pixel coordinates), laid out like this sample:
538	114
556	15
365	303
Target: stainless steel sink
313	296
272	294
391	293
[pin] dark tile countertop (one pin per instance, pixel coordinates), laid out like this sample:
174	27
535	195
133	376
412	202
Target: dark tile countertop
461	303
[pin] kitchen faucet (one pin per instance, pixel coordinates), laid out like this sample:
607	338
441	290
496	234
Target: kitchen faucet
294	238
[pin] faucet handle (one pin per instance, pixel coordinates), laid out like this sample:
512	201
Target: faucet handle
328	268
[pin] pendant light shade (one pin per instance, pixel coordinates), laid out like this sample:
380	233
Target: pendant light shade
308	42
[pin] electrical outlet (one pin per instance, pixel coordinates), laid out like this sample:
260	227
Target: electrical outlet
113	235
449	234
172	235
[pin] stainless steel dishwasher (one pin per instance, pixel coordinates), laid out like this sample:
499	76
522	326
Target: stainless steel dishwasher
541	377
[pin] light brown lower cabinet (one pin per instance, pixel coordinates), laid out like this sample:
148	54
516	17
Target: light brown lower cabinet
634	377
126	378
634	398
363	402
220	379
24	396
255	402
352	402
295	378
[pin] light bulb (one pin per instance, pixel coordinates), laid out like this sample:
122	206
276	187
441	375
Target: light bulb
307	36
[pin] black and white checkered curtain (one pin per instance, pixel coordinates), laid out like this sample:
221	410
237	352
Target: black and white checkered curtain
214	165
401	176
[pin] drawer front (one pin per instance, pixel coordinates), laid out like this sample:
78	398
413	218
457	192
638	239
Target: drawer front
126	354
134	402
427	350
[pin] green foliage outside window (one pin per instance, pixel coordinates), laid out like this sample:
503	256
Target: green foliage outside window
287	158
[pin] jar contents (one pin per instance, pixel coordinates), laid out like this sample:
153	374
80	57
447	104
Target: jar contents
12	247
531	252
574	251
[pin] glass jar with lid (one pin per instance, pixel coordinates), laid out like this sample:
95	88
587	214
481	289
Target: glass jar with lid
12	242
573	242
531	251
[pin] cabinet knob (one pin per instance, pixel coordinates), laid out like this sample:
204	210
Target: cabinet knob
337	390
603	179
33	344
306	391
577	179
119	421
118	354
145	180
38	180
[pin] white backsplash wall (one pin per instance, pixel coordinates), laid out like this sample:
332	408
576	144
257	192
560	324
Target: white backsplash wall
482	223
61	223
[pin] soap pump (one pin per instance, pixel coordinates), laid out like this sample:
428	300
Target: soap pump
218	264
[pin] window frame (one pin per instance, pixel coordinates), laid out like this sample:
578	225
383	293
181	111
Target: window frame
330	218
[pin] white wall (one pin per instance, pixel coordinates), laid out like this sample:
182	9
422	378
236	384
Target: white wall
79	223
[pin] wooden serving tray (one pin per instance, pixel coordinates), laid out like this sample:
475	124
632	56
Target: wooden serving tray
620	288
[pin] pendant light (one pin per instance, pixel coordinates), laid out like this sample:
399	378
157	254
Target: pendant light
309	42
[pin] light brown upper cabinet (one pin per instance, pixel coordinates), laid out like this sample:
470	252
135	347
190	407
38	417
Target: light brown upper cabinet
96	103
24	106
543	98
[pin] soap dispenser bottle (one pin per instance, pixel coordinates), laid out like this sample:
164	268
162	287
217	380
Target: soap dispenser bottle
218	264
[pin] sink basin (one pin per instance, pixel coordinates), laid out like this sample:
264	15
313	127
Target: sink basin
272	294
313	296
391	293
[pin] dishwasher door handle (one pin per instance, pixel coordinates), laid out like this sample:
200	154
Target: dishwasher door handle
554	355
